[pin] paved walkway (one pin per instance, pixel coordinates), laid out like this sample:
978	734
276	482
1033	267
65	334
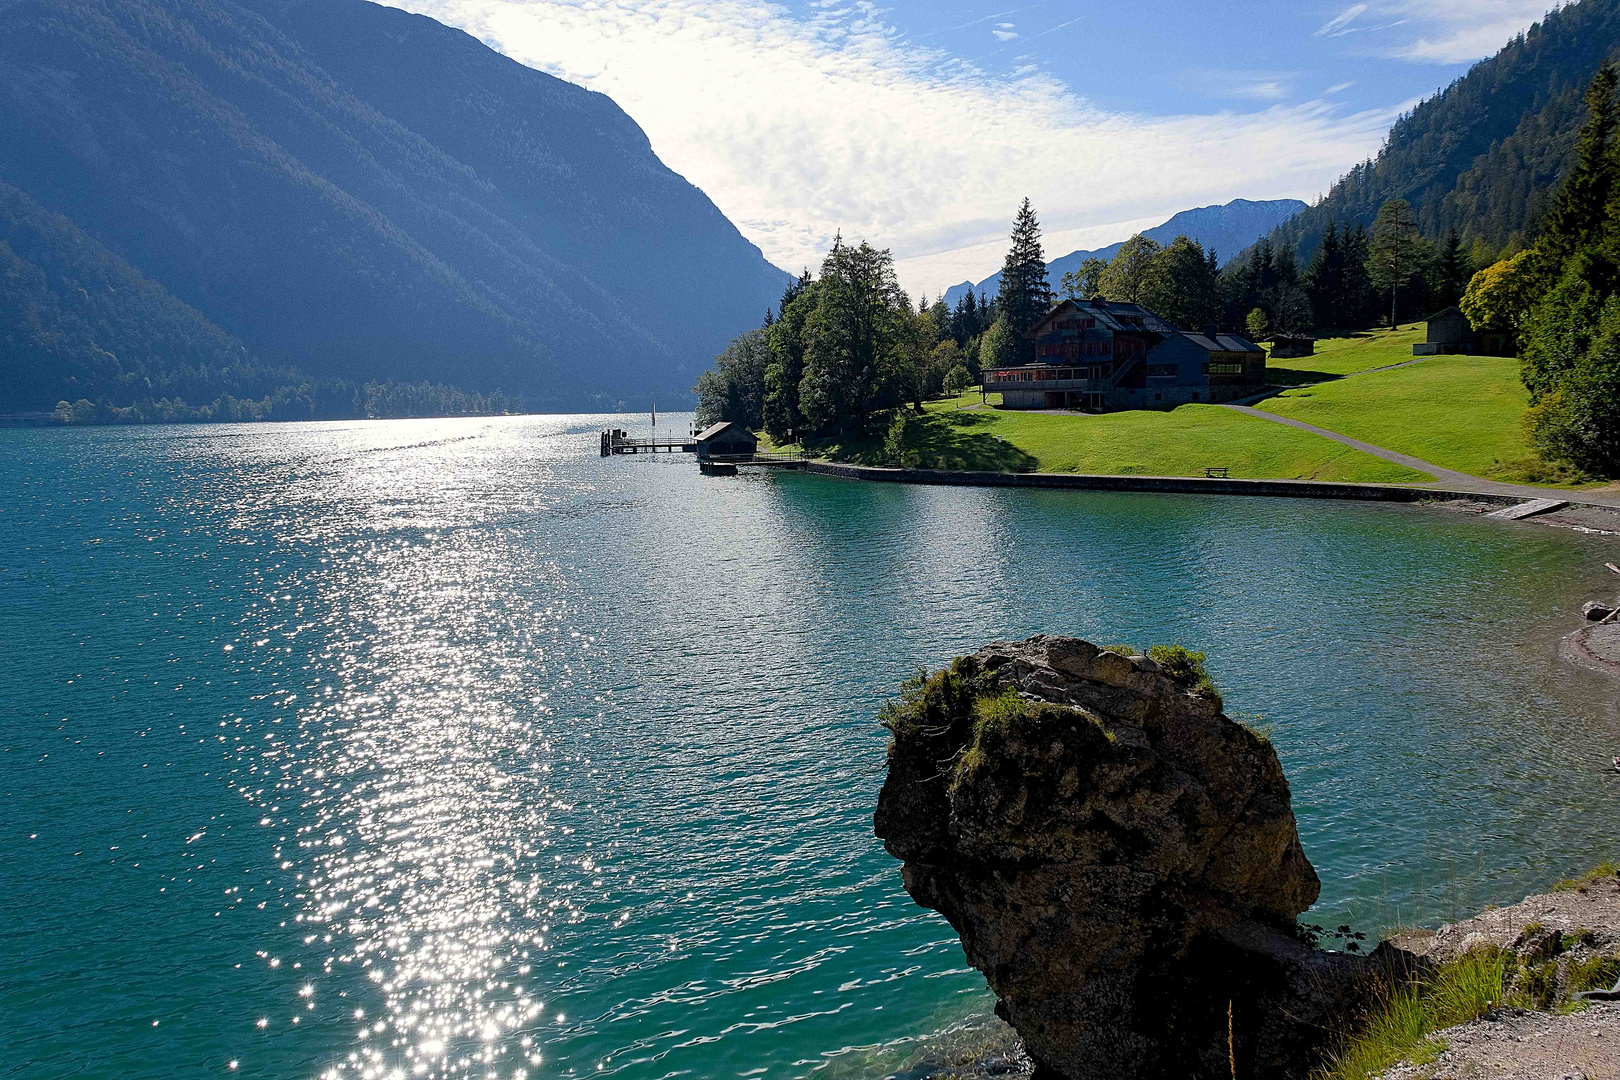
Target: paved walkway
1448	478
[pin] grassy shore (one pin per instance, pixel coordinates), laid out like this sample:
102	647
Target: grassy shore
959	433
1460	412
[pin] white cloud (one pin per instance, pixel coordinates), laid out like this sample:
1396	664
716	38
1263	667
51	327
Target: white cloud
1338	88
1004	35
1261	90
1449	31
798	128
1458	44
1340	23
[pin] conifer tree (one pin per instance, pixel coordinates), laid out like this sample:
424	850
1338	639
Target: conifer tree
1451	271
1360	300
1324	278
1396	254
783	419
1025	294
1578	209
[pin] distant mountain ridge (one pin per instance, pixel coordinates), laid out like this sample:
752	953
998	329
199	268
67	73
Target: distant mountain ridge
356	192
1228	229
1483	156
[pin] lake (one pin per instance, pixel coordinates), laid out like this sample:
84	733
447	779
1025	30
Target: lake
450	748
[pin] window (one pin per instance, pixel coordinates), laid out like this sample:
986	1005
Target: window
1224	367
1161	371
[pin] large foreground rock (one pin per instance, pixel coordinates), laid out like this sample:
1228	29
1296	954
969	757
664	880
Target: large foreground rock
1120	860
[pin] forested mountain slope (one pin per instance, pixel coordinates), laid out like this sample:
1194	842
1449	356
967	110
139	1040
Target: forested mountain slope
1483	156
360	193
79	319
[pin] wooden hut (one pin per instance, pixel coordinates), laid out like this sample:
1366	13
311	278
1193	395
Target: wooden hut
1449	332
726	439
1291	346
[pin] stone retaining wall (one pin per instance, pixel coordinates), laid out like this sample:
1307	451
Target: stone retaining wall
1186	485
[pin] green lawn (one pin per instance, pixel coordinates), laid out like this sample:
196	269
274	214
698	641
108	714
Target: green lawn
1182	442
1348	352
1460	412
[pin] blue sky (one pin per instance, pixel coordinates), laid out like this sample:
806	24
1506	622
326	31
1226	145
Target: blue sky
920	126
1161	57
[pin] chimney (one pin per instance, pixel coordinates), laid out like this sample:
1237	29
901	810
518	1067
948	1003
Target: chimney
1210	331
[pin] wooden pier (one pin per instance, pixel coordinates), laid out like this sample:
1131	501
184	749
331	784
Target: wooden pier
618	441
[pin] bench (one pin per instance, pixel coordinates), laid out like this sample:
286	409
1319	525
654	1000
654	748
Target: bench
1216	472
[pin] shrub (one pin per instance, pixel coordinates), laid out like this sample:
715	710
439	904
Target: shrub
895	451
1185	667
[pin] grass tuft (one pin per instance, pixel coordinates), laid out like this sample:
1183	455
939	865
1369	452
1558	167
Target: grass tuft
1402	1020
1582	882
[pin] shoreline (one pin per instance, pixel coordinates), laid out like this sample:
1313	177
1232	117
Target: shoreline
1595	647
1197	485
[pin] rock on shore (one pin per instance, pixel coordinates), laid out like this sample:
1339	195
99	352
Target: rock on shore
1120	860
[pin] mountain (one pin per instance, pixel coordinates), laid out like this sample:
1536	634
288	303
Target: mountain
79	302
354	192
1228	229
1483	156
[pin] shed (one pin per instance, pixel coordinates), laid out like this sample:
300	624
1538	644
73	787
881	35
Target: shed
1449	332
1289	346
726	439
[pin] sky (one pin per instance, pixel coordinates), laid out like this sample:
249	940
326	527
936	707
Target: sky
920	126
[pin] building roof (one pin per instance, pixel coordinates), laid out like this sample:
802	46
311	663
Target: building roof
1223	342
724	426
1447	313
1109	315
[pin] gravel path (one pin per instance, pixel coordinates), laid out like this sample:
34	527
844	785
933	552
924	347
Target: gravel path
1450	478
1518	1045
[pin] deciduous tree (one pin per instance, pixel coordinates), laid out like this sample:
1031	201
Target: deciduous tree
1129	275
852	337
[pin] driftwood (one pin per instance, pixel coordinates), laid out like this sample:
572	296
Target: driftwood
1613	567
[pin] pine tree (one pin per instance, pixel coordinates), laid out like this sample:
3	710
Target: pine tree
1025	294
1396	254
1360	298
1452	271
1324	278
1578	209
1284	266
783	419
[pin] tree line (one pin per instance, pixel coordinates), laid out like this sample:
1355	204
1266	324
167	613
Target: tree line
848	346
314	400
1560	299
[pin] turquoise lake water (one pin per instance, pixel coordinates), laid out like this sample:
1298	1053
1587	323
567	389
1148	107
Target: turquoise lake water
448	748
